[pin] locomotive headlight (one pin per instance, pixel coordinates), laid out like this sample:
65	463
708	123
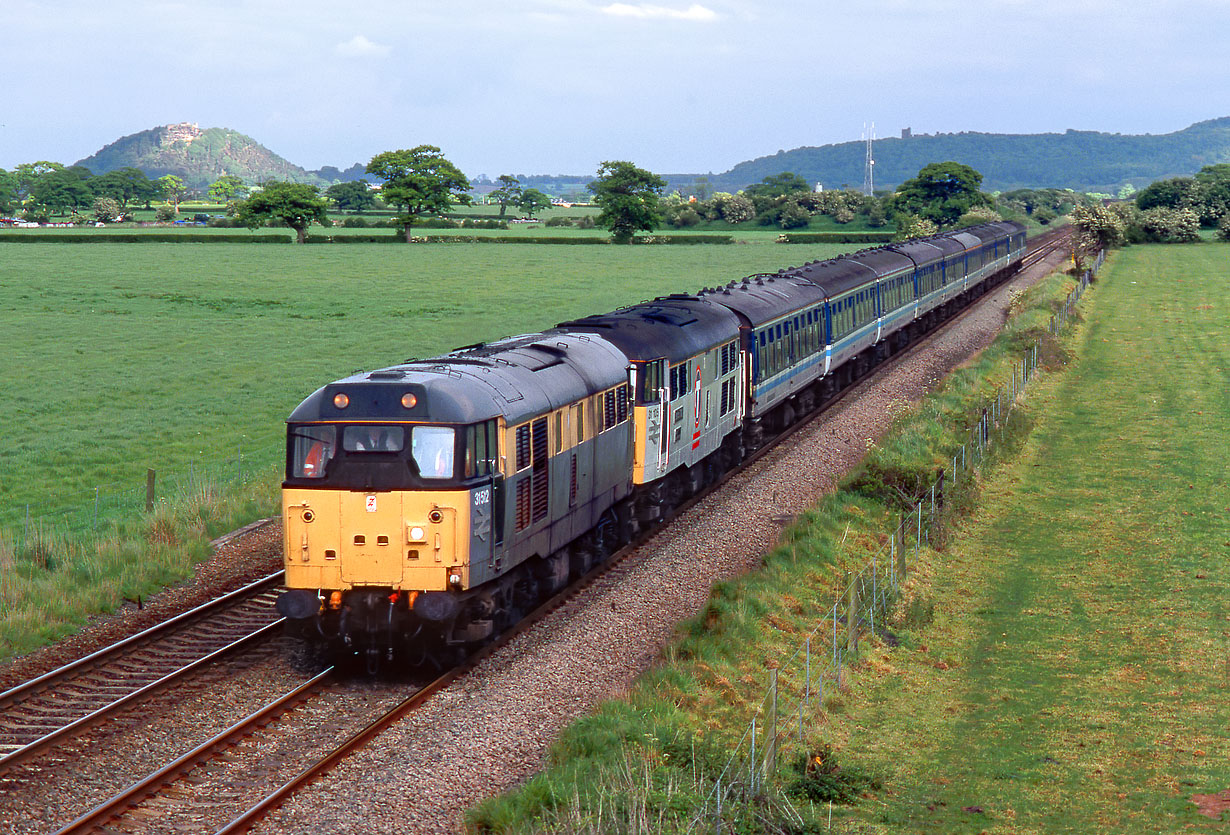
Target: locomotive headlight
454	579
417	534
341	400
409	401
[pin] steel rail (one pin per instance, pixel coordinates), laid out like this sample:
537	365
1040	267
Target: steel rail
149	784
42	743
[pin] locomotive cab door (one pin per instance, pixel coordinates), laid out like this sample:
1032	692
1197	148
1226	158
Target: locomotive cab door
650	410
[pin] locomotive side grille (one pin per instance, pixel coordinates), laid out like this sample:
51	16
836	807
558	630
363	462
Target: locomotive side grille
523	446
572	484
541	470
523	504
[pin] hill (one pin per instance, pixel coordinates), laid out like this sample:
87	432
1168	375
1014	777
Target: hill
197	156
1080	160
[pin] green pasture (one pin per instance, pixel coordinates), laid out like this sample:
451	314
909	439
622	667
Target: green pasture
1074	677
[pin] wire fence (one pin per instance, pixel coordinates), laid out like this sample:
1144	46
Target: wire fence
796	686
84	515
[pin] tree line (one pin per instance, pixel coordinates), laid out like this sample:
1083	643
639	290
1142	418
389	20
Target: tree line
421	182
1167	211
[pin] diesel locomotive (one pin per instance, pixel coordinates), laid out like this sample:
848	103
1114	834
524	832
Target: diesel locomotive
430	504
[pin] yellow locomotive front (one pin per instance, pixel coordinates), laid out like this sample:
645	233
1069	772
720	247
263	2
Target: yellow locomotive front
388	516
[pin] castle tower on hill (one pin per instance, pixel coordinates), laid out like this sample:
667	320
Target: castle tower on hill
182	132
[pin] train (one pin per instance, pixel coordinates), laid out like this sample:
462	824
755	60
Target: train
429	505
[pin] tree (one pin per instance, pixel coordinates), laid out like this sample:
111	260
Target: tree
106	210
1162	225
911	226
1223	229
794	216
172	189
777	185
352	196
61	191
508	194
1167	194
628	197
297	205
29	173
8	191
1097	227
124	186
226	188
533	201
733	208
941	193
419	181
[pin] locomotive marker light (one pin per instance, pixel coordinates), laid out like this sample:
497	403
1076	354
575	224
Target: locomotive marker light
341	400
409	401
417	534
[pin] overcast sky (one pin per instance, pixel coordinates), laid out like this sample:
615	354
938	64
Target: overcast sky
556	86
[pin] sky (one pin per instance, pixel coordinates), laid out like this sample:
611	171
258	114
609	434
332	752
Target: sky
558	86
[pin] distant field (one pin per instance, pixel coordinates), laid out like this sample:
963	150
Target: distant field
1074	679
743	232
120	357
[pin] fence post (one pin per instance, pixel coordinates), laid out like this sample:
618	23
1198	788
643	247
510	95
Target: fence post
807	678
834	624
95	508
918	537
892	560
772	764
149	490
752	764
852	617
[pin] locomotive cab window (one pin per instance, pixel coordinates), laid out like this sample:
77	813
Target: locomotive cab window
481	450
650	382
433	450
311	450
374	438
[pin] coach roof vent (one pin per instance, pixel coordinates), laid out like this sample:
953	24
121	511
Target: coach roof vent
387	374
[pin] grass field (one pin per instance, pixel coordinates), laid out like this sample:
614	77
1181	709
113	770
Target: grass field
122	357
1074	678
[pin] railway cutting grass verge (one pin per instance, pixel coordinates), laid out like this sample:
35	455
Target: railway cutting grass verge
1033	677
186	359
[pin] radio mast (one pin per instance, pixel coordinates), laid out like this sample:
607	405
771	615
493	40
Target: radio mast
869	184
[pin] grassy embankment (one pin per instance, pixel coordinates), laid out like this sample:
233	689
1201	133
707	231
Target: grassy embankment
121	358
1059	666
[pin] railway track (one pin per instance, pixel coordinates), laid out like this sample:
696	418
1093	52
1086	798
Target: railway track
168	787
36	715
